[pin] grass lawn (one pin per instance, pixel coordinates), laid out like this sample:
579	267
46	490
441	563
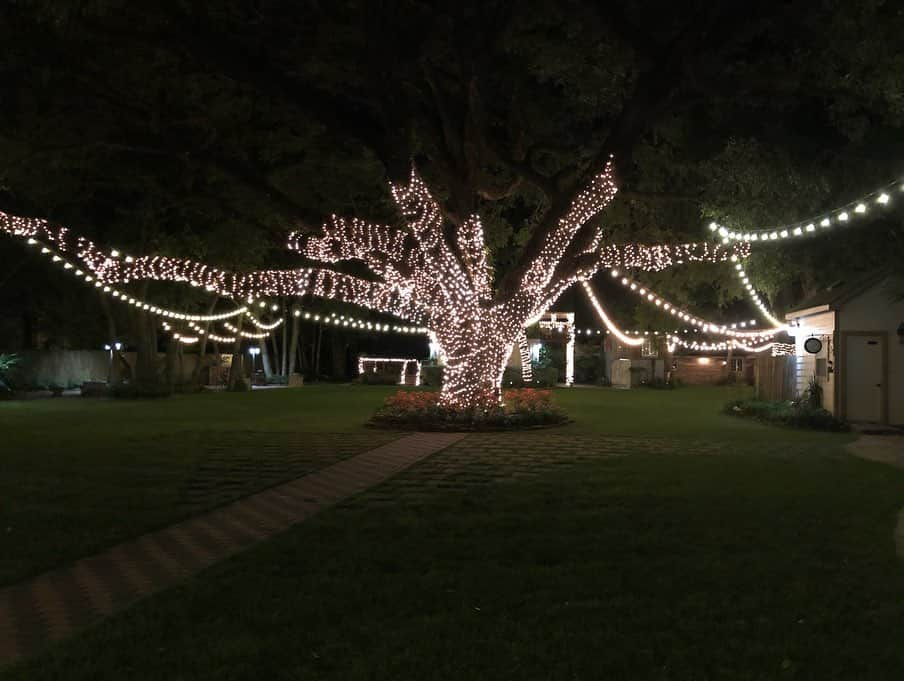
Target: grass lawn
654	538
78	475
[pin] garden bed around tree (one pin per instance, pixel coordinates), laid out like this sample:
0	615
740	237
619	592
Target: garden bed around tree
522	409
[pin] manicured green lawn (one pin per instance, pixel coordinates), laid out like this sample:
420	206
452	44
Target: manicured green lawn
652	539
691	412
77	475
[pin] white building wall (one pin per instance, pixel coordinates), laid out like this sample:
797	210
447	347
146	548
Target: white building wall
875	311
822	326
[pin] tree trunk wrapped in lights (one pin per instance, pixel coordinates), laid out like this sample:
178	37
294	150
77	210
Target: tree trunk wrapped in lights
418	273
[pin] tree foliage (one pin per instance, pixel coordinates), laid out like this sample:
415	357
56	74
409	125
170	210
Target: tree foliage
211	130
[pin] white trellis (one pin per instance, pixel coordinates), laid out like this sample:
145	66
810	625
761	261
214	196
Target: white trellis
372	364
562	322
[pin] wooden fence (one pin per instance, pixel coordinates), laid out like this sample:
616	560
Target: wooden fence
775	378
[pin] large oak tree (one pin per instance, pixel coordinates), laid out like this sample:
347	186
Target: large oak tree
180	127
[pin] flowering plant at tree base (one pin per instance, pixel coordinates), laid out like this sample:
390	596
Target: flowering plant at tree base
424	410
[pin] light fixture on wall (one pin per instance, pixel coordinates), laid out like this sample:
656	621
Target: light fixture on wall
901	333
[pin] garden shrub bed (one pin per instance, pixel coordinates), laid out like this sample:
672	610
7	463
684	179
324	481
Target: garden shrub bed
791	414
420	410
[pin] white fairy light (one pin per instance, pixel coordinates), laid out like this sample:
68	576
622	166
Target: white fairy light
711	327
618	333
403	361
777	324
527	373
859	207
419	276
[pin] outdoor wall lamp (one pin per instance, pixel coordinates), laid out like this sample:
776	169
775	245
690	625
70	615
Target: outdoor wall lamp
901	333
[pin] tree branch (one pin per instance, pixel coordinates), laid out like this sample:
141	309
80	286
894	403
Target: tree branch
646	101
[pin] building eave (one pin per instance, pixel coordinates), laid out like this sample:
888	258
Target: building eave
806	312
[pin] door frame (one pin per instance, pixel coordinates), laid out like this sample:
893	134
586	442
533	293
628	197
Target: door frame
842	361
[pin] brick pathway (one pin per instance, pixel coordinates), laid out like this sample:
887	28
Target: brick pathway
53	605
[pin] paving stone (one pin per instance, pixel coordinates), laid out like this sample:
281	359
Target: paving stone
51	606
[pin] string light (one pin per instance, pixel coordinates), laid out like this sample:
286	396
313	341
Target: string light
363	361
212	336
814	225
624	338
761	348
192	319
127	298
705	326
732	344
360	324
755	298
782	349
527	374
700	346
246	334
267	327
185	340
420	276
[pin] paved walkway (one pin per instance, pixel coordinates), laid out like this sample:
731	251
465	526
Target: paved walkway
53	605
884	449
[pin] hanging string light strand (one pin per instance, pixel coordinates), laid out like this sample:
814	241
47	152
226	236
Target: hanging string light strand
705	326
842	215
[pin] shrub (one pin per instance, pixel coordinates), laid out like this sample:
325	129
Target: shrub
133	391
512	378
812	396
379	378
545	377
588	369
420	410
432	375
793	414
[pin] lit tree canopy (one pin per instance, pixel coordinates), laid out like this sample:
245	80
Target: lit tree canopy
211	130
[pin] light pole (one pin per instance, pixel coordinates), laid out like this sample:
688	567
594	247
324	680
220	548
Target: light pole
116	345
254	351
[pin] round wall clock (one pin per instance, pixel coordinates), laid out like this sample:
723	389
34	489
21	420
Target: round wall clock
813	345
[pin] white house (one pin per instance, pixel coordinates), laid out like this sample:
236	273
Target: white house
851	338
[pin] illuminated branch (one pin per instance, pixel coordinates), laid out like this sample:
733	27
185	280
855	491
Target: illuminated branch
474	255
110	268
585	206
419	273
380	247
